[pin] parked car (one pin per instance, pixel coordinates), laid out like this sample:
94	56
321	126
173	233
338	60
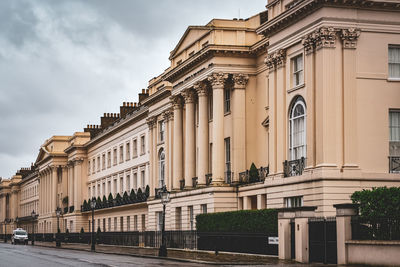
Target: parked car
19	236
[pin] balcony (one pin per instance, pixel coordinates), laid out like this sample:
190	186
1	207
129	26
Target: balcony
294	167
394	164
194	182
182	184
260	176
208	178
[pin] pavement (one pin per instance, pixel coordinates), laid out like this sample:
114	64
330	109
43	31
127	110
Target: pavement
46	254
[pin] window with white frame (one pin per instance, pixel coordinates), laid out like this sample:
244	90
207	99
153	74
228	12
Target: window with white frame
121	184
143	177
394	61
161	168
142	145
109	224
135	223
135	181
128	151
134	147
88	167
159	220
121	154
203	208
128	223
394	126
98	163
103	161
191	217
109	187
108	159
115	156
293	202
161	131
297	130
93	165
297	70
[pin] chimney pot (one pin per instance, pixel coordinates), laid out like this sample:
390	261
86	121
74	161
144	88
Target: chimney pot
143	91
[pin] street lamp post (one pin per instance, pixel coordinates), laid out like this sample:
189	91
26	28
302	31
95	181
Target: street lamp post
58	213
164	194
33	214
92	205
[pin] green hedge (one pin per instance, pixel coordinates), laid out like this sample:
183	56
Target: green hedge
245	221
378	202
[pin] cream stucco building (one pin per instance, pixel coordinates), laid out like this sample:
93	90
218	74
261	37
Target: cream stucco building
308	91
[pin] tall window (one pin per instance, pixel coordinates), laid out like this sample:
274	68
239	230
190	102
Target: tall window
98	163
161	131
89	167
128	223
394	61
227	154
210	106
394	125
297	131
108	188
143	177
128	151
93	165
161	166
203	208
135	181
128	183
178	218
115	224
143	222
108	159
297	69
109	224
159	220
115	156
191	217
103	161
104	224
210	158
121	222
142	145
135	223
121	184
134	148
121	154
227	100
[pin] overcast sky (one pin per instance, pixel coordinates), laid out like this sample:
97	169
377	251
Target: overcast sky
64	63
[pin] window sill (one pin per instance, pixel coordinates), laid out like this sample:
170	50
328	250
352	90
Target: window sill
227	113
296	88
393	79
134	157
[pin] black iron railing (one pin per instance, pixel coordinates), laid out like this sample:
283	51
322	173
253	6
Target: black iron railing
182	184
194	182
375	228
208	178
394	164
262	174
294	167
228	177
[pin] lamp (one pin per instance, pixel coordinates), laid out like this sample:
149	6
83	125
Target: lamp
164	195
93	206
33	214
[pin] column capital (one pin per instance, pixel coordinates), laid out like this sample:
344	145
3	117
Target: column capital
167	115
217	79
349	37
276	59
201	88
188	96
151	121
240	80
320	38
176	101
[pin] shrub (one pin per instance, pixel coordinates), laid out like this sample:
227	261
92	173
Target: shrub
99	204
125	198
147	192
133	196
85	205
105	204
110	200
118	198
253	173
245	221
140	196
378	202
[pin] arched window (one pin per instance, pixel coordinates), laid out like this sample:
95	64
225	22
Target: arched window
297	130
161	165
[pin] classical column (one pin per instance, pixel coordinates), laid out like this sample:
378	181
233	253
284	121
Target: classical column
166	115
202	92
217	81
239	124
190	144
150	123
170	148
178	140
349	38
54	188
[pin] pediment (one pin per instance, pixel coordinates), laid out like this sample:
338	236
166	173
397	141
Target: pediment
42	155
191	34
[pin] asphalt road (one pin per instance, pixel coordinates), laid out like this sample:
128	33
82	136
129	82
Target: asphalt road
32	256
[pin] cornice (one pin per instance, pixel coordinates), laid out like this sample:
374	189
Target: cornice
157	96
205	54
303	9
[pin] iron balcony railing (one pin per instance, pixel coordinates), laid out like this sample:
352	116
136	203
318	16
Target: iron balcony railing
394	164
262	174
228	177
294	167
194	182
182	184
208	178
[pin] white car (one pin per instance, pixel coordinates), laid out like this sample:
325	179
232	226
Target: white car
19	236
